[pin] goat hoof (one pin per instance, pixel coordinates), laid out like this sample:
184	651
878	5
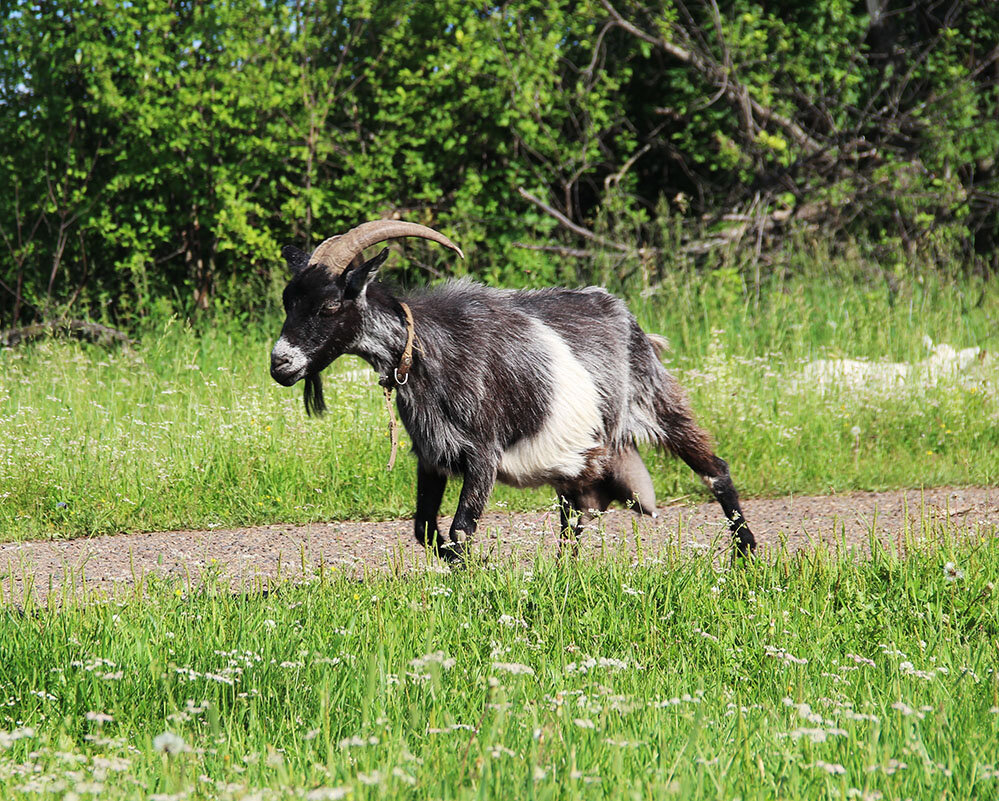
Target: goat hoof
453	553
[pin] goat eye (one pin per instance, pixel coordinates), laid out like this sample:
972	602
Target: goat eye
330	307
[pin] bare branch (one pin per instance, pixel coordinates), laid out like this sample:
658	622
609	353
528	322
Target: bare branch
574	252
617	176
586	233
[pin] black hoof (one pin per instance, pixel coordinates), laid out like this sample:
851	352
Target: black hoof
745	543
454	553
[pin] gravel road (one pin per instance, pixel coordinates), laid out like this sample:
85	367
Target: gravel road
111	564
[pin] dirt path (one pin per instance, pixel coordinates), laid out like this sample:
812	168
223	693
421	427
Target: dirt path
113	563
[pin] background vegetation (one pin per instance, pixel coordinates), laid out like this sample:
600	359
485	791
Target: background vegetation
155	155
767	184
188	430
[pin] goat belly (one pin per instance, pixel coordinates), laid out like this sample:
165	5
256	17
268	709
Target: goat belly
570	433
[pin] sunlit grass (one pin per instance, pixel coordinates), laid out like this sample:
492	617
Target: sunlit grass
190	431
810	677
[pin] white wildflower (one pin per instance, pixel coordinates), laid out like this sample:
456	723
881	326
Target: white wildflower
906	710
514	667
170	743
686	698
590	663
952	572
7	739
101	765
909	669
832	768
357	742
435	658
402	776
584	723
816	735
328	793
784	656
864	795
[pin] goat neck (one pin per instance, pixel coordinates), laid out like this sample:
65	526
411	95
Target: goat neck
383	333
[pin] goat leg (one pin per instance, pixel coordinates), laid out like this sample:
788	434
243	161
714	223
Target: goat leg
570	514
627	481
688	441
478	480
723	489
429	492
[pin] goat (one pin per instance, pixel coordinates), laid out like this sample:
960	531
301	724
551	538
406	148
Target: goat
530	387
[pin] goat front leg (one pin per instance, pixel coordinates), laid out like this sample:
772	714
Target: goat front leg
429	491
478	479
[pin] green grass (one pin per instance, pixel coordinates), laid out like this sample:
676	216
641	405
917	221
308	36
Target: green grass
810	677
190	431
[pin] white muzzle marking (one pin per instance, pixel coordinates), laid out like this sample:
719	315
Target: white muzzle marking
292	358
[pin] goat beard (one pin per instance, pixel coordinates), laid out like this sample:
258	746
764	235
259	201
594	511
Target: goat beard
312	394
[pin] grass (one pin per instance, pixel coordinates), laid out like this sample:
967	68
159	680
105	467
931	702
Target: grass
816	676
189	431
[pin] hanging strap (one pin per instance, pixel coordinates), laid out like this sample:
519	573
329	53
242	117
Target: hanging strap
401	375
406	361
393	428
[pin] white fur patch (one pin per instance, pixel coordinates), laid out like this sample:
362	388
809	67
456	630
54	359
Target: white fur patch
571	427
295	357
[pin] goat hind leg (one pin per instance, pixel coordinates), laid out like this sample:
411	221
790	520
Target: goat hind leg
688	441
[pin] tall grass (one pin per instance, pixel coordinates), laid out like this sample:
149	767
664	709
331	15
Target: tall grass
810	677
189	430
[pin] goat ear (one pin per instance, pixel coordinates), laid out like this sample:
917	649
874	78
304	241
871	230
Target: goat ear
357	279
297	260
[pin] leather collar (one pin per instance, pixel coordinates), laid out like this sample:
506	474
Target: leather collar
400	375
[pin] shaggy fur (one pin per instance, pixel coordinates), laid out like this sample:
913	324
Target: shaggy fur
552	386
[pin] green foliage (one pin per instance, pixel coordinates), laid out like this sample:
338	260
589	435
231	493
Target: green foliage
164	151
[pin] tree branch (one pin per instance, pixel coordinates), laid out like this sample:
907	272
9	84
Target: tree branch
714	72
586	233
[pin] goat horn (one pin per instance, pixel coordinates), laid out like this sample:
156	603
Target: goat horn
337	252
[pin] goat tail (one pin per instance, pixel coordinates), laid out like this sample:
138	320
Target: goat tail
312	394
660	345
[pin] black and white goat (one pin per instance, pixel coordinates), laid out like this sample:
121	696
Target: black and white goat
549	386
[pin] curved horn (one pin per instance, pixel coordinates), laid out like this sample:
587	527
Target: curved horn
336	253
